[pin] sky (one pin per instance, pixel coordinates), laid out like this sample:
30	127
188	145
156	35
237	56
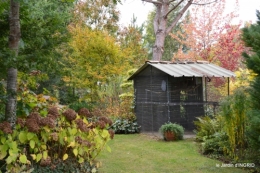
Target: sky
141	9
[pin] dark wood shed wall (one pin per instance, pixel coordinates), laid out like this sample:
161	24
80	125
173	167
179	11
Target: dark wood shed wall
161	98
148	85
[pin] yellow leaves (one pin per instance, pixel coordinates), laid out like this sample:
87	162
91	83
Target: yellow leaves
243	79
75	151
33	156
85	120
45	154
96	56
44	147
105	134
72	144
65	156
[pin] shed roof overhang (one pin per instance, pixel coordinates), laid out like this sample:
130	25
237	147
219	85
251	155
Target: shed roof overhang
187	69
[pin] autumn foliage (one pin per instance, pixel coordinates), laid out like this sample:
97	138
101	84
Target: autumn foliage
229	48
208	34
95	59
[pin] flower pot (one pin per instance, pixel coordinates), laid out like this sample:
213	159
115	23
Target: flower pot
169	136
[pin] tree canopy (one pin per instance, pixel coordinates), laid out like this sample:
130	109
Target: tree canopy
95	58
41	34
251	37
208	35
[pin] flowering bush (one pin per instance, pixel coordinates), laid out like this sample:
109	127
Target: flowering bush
48	140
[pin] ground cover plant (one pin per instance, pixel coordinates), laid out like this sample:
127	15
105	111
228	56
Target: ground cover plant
135	153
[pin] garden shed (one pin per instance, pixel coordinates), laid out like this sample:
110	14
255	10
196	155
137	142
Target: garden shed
173	92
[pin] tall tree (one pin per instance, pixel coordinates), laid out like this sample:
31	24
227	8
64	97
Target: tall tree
161	25
24	52
170	45
14	38
98	14
251	37
131	39
209	36
95	58
229	48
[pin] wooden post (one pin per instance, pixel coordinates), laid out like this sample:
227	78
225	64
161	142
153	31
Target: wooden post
228	86
168	99
206	93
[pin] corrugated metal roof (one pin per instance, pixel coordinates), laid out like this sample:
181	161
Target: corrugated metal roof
187	69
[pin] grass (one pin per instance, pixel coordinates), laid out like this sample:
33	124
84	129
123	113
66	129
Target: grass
141	153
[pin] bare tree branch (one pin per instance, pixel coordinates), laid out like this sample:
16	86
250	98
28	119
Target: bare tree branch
168	30
173	8
205	3
153	2
172	1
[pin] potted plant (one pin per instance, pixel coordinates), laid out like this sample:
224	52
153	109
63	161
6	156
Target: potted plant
172	131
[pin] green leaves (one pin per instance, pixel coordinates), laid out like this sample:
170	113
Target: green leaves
38	157
3	151
23	159
32	144
72	131
125	126
81	160
22	137
251	37
30	135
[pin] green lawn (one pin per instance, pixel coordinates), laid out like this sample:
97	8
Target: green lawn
144	154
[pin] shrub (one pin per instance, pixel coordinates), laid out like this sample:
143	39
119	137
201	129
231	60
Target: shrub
78	105
217	144
125	126
210	132
206	127
233	110
47	141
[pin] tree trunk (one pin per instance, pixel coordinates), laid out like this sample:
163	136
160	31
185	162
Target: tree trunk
158	47
14	37
10	109
160	24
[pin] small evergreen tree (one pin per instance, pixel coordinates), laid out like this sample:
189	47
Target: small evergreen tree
251	37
